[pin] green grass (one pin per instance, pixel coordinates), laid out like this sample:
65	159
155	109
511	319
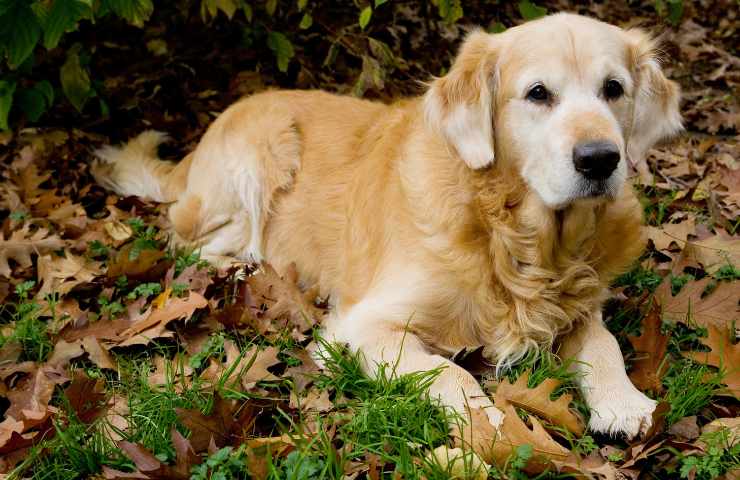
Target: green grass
689	388
390	415
639	280
77	450
153	408
655	204
28	329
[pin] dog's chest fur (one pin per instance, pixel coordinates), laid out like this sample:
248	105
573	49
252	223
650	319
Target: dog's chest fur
522	273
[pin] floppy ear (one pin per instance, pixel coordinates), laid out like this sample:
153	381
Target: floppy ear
656	115
459	105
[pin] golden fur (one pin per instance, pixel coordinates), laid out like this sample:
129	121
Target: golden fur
439	222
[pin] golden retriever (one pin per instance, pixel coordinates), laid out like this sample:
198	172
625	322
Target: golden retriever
491	211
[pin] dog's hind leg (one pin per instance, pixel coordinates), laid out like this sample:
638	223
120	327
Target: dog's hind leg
249	153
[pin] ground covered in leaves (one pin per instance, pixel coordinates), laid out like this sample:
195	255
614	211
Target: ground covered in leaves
123	358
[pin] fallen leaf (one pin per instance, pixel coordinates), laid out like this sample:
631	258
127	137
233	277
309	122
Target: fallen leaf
149	465
229	423
173	309
62	274
86	396
650	350
669	233
123	264
482	437
732	424
717	308
118	231
304	373
686	428
716	252
537	400
28	179
29	402
22	244
459	463
723	354
283	299
249	367
316	400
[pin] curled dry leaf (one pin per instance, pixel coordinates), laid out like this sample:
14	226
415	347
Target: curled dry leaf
151	467
731	424
118	231
116	417
196	279
27	177
537	400
86	396
229	423
316	401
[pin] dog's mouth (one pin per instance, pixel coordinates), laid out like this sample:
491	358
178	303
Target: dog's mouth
596	189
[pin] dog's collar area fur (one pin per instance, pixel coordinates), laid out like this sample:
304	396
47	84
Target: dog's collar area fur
557	269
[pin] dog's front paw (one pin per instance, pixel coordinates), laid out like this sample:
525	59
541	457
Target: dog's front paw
627	413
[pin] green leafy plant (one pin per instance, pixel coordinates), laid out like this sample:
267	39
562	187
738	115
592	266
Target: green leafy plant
144	290
672	10
720	456
224	464
145	237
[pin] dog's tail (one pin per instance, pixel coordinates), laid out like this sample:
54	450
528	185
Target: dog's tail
135	169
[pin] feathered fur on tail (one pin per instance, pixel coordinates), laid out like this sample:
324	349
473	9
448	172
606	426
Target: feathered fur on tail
135	169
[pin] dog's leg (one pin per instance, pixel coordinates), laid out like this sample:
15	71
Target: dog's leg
617	407
369	328
249	153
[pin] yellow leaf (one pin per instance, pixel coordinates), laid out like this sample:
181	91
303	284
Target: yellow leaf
162	298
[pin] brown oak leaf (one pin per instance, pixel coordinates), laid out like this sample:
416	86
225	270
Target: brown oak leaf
717	308
650	348
482	437
22	244
723	354
537	400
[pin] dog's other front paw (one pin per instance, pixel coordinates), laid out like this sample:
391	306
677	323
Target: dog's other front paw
627	413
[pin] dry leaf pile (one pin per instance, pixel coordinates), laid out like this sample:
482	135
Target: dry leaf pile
109	336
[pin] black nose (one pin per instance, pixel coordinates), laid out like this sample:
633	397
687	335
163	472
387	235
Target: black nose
596	160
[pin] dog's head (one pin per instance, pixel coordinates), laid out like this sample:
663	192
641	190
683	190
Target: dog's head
566	100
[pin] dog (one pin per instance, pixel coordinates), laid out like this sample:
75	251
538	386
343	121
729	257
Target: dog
493	210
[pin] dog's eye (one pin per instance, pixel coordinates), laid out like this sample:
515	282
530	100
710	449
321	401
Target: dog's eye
538	94
613	90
